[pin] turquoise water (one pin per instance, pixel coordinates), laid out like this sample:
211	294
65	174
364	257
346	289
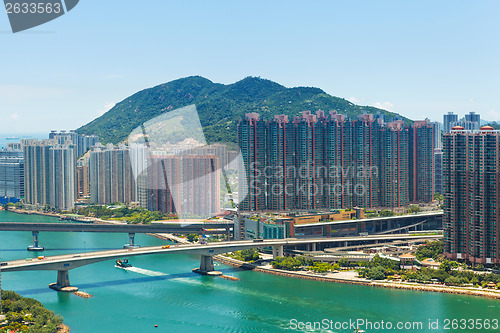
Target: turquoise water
163	291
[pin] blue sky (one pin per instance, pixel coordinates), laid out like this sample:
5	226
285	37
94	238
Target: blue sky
418	58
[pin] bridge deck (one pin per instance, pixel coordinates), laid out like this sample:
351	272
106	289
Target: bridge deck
70	261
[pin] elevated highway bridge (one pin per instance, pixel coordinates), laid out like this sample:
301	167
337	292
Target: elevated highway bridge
63	263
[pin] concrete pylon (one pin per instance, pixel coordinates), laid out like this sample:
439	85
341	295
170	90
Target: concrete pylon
206	264
63	279
277	251
131	242
35	246
62	283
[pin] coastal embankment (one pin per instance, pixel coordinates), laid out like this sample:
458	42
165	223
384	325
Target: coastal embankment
360	281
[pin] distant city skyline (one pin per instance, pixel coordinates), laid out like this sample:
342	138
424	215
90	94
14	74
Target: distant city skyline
420	60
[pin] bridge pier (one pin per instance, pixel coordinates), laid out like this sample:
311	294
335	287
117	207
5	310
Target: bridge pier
207	263
62	283
207	266
35	246
277	251
131	241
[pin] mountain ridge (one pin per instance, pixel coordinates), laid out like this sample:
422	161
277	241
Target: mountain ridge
219	106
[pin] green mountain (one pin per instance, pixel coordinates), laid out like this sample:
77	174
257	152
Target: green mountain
219	106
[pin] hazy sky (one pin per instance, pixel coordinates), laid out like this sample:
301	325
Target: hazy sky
420	59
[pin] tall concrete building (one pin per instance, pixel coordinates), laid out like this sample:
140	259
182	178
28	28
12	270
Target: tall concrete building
329	162
62	172
421	162
448	121
49	174
164	183
139	163
394	165
365	138
82	181
471	121
187	185
111	176
438	170
200	185
252	144
36	172
306	159
438	136
11	176
280	156
471	182
81	143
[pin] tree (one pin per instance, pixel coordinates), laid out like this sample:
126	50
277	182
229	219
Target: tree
192	238
439	197
320	267
430	250
344	263
386	213
376	273
249	255
414	209
453	281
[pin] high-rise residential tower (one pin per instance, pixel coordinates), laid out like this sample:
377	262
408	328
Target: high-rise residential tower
421	162
329	162
111	175
471	182
11	176
49	174
252	144
448	121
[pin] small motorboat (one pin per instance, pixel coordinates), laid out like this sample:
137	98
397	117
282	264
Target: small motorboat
122	263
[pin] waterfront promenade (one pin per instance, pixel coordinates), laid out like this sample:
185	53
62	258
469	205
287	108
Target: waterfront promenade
351	277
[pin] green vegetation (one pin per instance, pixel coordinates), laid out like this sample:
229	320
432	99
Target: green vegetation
378	268
320	267
450	272
432	250
13	205
494	124
439	197
414	209
27	315
219	106
249	255
386	213
131	215
291	263
192	237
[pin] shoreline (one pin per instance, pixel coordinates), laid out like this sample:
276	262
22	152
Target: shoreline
62	328
308	276
363	282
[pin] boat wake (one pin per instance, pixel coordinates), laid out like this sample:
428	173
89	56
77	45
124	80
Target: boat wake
142	271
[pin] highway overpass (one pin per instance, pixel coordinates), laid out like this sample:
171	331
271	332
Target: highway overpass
63	263
170	228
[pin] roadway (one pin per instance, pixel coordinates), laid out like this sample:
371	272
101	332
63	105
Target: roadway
180	228
70	261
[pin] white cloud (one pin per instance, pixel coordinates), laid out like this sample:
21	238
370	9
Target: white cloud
492	115
472	100
14	116
355	100
105	108
384	105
